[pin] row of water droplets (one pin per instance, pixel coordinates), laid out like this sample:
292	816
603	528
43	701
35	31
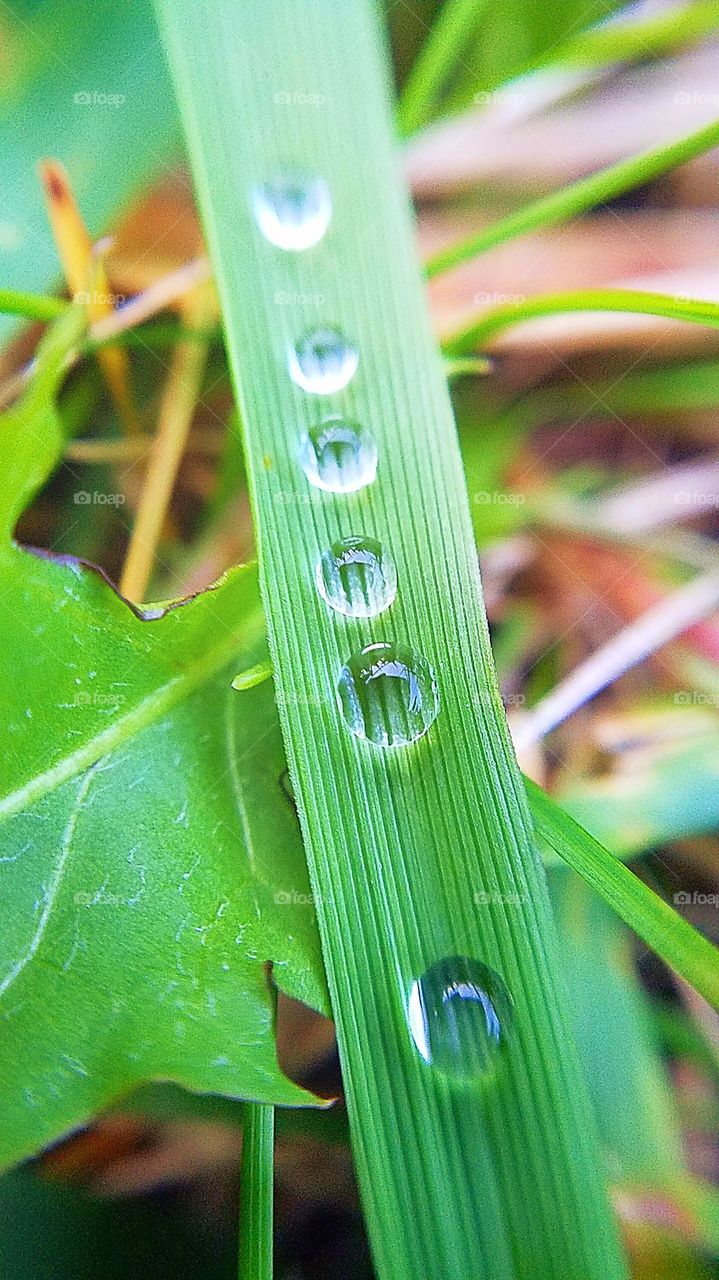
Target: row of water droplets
459	1009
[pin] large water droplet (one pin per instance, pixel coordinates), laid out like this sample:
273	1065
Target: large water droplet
323	361
292	210
388	694
338	455
357	577
459	1013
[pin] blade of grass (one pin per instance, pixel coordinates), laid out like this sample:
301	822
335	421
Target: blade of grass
256	1192
176	412
31	306
451	31
579	197
648	35
496	319
655	922
75	250
399	843
623	37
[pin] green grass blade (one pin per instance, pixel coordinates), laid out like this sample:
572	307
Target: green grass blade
620	38
452	29
648	35
256	1193
580	196
459	1180
32	306
636	301
656	923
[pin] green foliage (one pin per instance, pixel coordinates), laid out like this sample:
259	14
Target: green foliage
578	197
94	95
660	926
401	845
150	865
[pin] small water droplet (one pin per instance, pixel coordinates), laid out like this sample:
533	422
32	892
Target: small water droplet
292	210
357	577
338	455
323	361
459	1013
388	694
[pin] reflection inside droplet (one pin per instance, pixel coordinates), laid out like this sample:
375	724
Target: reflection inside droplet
459	1013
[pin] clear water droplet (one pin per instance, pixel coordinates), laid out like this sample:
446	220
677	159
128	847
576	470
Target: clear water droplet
338	455
459	1013
323	361
357	577
388	694
292	210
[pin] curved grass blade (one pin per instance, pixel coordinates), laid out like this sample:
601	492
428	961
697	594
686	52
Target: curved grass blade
579	197
658	924
636	301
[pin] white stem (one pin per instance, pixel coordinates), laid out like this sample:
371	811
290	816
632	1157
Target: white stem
653	629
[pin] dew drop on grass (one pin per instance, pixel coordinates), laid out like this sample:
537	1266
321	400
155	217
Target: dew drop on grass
388	694
292	210
323	361
357	577
338	455
459	1013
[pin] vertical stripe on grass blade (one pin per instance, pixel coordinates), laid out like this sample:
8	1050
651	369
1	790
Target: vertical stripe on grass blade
256	1192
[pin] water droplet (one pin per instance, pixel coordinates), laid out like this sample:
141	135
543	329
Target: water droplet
338	455
459	1013
388	694
357	577
292	210
323	361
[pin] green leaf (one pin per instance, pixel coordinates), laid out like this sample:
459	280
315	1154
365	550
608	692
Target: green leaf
578	197
149	861
458	1179
627	1079
55	1230
658	924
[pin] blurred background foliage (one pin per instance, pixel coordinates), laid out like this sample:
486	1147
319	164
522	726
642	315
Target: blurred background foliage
591	458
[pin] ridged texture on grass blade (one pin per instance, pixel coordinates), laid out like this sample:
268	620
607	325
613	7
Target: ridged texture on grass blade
425	851
256	1193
